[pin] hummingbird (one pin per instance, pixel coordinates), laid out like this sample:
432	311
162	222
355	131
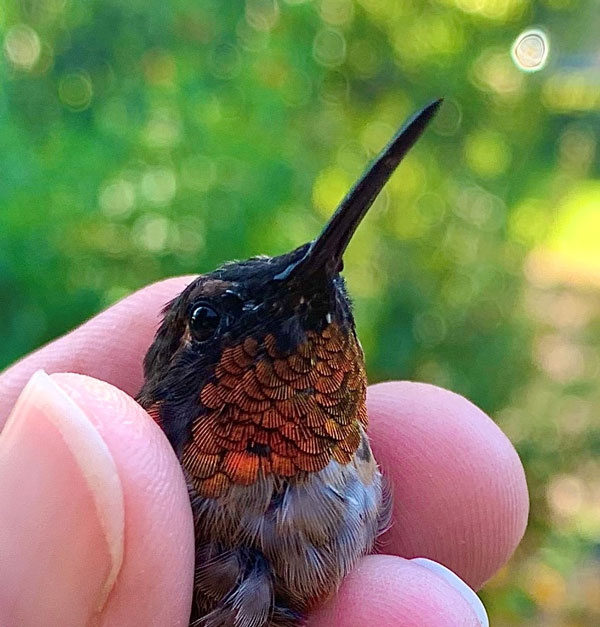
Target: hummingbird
257	378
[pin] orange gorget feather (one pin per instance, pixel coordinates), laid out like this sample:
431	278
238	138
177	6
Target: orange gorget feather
266	412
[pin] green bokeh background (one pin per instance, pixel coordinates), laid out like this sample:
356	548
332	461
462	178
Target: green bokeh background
143	139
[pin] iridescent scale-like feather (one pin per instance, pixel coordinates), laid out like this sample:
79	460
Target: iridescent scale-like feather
267	413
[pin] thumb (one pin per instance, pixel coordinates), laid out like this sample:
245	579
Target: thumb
95	522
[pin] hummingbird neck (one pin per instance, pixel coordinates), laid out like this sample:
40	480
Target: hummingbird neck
267	412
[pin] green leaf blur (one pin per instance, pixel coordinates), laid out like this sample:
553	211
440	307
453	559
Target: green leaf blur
145	139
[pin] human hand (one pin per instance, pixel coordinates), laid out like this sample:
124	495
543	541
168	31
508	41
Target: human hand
96	527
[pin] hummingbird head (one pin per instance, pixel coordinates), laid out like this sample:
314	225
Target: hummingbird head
256	365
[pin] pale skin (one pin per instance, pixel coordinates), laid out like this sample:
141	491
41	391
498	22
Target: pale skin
95	523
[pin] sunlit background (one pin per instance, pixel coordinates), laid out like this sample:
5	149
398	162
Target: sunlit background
145	138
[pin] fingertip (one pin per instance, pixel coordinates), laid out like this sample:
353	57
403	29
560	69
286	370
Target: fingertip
154	586
386	590
458	584
62	529
459	489
111	346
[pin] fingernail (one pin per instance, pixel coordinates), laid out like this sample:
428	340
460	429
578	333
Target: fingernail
61	511
459	585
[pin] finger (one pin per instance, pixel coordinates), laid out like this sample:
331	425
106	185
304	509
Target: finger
109	347
459	490
96	523
385	590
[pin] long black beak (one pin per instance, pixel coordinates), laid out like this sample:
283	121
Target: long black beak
325	252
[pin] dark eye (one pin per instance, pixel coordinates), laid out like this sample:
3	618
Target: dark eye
204	322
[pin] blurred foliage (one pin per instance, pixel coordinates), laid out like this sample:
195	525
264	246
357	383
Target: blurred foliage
142	139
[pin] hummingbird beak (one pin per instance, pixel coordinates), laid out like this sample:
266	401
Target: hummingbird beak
326	252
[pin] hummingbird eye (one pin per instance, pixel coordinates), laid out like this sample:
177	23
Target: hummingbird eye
204	322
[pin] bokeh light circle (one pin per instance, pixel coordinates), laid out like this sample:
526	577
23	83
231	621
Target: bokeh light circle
22	46
530	50
75	90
